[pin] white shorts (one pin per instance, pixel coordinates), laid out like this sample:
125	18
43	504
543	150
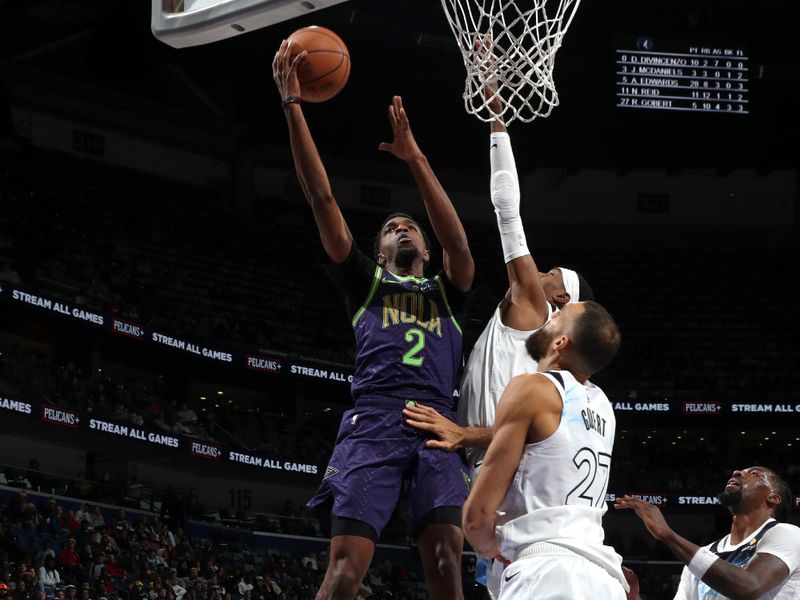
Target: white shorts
558	575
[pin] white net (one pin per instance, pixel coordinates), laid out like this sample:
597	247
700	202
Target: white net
509	49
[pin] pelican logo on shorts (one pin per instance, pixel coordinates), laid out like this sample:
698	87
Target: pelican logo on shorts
330	472
467	478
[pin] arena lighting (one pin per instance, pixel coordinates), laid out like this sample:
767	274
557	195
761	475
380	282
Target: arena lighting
202	397
220	392
742	432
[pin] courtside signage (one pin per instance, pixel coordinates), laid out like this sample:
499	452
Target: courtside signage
252	359
201	449
60	416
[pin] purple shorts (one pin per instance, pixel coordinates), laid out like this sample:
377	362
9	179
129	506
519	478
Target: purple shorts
378	460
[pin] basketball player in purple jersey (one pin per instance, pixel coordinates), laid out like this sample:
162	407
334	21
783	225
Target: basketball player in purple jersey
408	346
499	354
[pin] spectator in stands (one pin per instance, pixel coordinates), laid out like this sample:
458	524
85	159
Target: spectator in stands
49	577
83	513
71	522
56	524
20	593
245	584
139	593
70	592
68	558
96	517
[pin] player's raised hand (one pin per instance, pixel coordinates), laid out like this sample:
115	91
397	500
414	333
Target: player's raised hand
485	60
284	70
450	436
649	514
403	146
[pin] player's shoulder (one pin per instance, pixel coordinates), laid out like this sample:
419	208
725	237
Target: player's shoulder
785	531
543	386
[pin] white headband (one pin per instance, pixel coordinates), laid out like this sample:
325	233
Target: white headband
571	284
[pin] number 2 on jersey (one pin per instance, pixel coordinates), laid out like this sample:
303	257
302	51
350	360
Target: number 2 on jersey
412	356
591	488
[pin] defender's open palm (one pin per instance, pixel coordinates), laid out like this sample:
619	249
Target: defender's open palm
448	434
648	513
403	146
284	70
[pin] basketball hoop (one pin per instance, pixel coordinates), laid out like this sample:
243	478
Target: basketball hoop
509	49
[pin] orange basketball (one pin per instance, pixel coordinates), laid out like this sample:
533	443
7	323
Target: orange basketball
326	67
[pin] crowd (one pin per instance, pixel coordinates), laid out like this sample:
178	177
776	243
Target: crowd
49	553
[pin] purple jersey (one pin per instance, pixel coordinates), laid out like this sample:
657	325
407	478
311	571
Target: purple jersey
408	340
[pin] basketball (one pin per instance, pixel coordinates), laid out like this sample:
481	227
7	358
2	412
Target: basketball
326	67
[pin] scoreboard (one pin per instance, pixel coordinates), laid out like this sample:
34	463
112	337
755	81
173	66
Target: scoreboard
674	75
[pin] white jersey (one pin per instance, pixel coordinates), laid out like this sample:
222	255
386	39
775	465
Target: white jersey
780	540
498	356
558	494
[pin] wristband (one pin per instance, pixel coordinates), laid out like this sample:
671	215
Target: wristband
290	100
701	562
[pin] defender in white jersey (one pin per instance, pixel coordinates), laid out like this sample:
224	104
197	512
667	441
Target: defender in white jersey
759	559
539	499
499	354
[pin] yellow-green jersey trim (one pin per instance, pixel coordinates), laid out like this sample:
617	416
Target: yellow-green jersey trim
376	279
404	278
439	282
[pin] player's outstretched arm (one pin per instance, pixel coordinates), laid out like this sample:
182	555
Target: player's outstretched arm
458	263
760	575
449	435
525	306
333	231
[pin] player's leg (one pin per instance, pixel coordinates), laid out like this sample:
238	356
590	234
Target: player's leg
350	556
359	493
440	546
439	487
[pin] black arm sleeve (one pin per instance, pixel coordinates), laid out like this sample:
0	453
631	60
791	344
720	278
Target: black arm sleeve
353	277
458	300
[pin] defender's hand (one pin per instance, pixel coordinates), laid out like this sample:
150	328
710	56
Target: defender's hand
649	514
429	419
